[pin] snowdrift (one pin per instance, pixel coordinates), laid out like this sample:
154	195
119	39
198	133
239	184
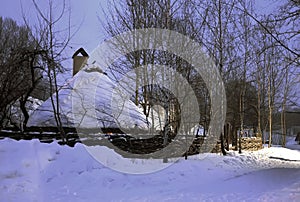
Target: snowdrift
32	171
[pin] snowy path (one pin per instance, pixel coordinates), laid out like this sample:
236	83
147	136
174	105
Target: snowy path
31	171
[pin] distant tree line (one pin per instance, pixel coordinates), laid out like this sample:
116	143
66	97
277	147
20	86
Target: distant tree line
257	54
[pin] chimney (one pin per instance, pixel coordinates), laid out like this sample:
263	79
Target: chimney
79	60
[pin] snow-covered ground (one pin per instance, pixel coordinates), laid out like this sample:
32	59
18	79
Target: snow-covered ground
34	171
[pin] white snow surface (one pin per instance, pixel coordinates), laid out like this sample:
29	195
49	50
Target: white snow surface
86	102
34	171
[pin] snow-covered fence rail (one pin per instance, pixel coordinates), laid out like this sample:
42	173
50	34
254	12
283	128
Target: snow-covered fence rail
49	134
44	134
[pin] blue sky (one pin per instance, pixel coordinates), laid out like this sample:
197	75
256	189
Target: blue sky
84	16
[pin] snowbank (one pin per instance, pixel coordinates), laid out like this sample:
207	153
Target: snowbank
32	171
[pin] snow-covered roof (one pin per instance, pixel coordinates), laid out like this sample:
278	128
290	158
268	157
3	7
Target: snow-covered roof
86	102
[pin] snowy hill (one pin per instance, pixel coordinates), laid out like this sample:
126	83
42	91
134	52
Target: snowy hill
85	102
32	171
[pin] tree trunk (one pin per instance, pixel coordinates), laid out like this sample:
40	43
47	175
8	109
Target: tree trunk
270	113
222	145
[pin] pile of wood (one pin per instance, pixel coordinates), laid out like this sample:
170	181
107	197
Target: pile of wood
247	144
251	143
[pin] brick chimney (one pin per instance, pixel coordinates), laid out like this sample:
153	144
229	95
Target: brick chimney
80	58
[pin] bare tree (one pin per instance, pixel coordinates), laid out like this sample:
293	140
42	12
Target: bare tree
228	31
19	72
245	46
54	42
